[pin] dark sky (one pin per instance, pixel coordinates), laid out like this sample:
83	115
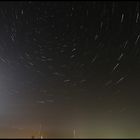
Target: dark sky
70	66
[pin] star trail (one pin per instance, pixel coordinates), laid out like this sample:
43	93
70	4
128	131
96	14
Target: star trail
69	69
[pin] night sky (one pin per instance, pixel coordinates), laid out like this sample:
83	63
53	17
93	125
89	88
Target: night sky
70	66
